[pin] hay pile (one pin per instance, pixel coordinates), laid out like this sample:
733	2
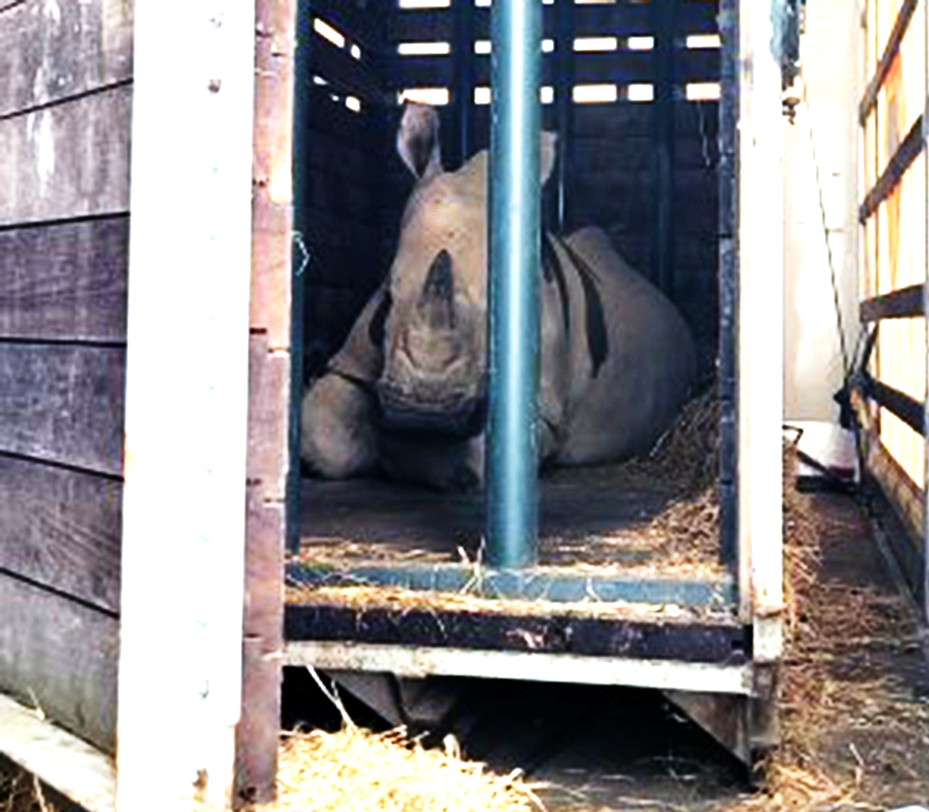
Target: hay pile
21	792
388	772
685	461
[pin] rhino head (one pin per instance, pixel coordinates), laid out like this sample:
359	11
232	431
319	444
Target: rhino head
432	320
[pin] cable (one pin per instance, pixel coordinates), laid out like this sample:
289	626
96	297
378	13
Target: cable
822	213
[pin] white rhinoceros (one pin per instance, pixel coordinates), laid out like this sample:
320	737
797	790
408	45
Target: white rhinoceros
406	392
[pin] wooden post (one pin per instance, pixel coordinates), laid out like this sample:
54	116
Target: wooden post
180	664
761	328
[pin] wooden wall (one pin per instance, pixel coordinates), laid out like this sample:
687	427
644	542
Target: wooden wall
357	185
65	105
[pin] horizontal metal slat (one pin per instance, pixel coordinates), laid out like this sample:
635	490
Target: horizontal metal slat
899	304
901	161
883	67
621	19
336	65
615	67
907	408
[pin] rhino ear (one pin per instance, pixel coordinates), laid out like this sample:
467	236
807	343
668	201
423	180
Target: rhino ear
547	155
418	140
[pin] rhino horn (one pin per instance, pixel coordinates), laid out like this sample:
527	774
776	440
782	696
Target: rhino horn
437	300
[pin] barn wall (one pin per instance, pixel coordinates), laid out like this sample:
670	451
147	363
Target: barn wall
65	107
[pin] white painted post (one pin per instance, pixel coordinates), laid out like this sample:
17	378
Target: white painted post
186	404
761	220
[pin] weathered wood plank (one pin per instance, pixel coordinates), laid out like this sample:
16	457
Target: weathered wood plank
63	404
74	768
61	528
52	51
62	656
65	281
893	173
259	727
269	377
269	401
68	160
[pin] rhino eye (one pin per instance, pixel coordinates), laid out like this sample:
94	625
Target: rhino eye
376	326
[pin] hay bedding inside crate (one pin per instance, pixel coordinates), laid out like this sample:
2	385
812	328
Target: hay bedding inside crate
653	514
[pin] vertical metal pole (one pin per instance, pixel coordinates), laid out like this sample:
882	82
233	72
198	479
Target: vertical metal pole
463	66
663	17
564	107
513	324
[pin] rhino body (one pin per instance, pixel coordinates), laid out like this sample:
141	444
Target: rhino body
406	393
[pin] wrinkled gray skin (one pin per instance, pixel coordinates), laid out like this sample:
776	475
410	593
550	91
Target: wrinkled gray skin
405	392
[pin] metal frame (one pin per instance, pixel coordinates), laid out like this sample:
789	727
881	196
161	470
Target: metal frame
570	668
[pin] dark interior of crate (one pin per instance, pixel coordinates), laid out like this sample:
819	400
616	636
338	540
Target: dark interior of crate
641	164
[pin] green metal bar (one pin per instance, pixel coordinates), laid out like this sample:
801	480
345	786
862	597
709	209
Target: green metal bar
513	307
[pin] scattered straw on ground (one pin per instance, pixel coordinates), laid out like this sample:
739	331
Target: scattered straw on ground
355	769
829	685
21	792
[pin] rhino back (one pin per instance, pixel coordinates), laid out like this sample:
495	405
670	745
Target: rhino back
621	402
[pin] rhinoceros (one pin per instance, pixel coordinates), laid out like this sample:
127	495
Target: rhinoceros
406	393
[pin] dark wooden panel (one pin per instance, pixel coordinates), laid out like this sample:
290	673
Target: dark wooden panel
891	49
63	404
341	196
594	155
361	24
620	67
901	161
359	130
54	51
620	19
65	281
899	304
61	655
333	155
339	67
606	121
68	160
327	228
61	528
709	642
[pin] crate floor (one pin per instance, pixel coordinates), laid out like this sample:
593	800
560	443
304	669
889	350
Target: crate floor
588	517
